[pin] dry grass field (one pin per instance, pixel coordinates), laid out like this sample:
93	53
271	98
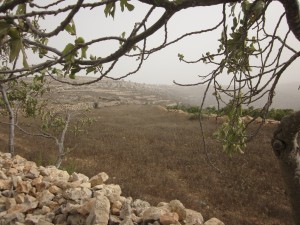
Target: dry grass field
157	156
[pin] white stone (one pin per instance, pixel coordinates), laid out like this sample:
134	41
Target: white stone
77	194
5	184
99	214
33	219
177	206
2	175
98	179
153	213
10	202
44	197
140	206
193	217
79	177
213	221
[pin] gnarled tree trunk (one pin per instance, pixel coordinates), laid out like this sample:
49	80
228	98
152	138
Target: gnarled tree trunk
286	148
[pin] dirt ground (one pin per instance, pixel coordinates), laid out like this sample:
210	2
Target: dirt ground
158	156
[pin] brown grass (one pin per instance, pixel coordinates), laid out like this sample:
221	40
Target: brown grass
158	156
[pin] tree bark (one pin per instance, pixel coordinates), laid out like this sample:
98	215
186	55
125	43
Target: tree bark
286	148
11	145
292	16
60	143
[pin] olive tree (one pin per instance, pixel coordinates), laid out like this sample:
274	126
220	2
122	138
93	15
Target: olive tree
252	56
17	98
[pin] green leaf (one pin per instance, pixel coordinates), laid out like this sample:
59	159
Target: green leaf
83	51
69	47
90	69
72	76
79	40
130	7
4	28
21	9
70	28
124	3
180	56
110	9
13	33
25	63
15	47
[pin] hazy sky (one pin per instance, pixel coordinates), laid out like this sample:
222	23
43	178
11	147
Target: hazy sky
162	67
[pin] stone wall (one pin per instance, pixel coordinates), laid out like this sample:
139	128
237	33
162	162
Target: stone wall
31	194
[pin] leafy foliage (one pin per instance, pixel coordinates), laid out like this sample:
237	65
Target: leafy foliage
275	114
25	96
232	133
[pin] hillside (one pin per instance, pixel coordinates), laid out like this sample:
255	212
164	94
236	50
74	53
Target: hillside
158	156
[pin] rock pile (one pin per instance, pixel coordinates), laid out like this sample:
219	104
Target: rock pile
31	194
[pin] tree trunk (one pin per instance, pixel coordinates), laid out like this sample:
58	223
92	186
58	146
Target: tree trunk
286	148
11	145
60	143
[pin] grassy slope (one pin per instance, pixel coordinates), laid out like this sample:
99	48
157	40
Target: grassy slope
158	156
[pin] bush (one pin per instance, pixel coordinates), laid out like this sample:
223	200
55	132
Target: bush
275	114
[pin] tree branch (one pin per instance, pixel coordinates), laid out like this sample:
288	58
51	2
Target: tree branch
10	5
292	16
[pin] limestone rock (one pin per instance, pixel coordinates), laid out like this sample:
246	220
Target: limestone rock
116	208
36	181
12	171
77	194
60	218
76	219
213	221
2	203
153	213
98	179
125	210
169	218
23	186
114	220
44	197
111	191
193	217
140	206
42	186
86	208
44	222
62	184
54	189
177	206
12	218
19	159
32	173
78	177
2	175
20	198
33	219
70	208
34	195
10	202
5	184
99	214
127	221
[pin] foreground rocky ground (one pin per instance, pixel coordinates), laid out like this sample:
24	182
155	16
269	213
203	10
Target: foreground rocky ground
46	195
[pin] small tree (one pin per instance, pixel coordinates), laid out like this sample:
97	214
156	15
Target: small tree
56	126
19	97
